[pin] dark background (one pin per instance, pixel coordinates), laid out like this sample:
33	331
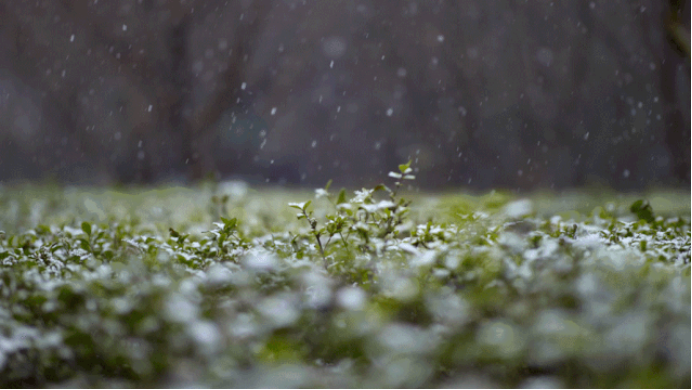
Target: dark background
479	93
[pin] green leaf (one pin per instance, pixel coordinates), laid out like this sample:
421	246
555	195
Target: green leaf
42	229
86	227
405	167
329	183
300	206
229	224
174	233
342	196
642	209
84	244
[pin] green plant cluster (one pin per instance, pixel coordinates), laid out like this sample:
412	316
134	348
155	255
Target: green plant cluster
338	291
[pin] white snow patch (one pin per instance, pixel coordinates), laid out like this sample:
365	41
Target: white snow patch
519	208
280	310
180	309
351	298
426	259
206	334
259	259
219	274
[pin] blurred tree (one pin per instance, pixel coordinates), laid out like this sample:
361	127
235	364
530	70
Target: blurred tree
677	131
486	93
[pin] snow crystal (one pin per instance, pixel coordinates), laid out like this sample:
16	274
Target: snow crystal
72	38
545	56
273	110
243	86
124	27
440	38
334	47
390	111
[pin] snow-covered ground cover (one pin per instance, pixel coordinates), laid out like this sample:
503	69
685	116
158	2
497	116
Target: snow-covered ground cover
230	286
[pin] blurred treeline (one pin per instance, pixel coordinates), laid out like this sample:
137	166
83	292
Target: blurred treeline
480	93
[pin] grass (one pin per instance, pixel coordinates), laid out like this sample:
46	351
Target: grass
229	286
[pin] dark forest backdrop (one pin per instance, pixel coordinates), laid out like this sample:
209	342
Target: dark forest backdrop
480	93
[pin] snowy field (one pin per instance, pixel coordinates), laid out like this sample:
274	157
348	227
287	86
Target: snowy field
231	286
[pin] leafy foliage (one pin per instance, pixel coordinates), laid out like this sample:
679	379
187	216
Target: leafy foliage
338	291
